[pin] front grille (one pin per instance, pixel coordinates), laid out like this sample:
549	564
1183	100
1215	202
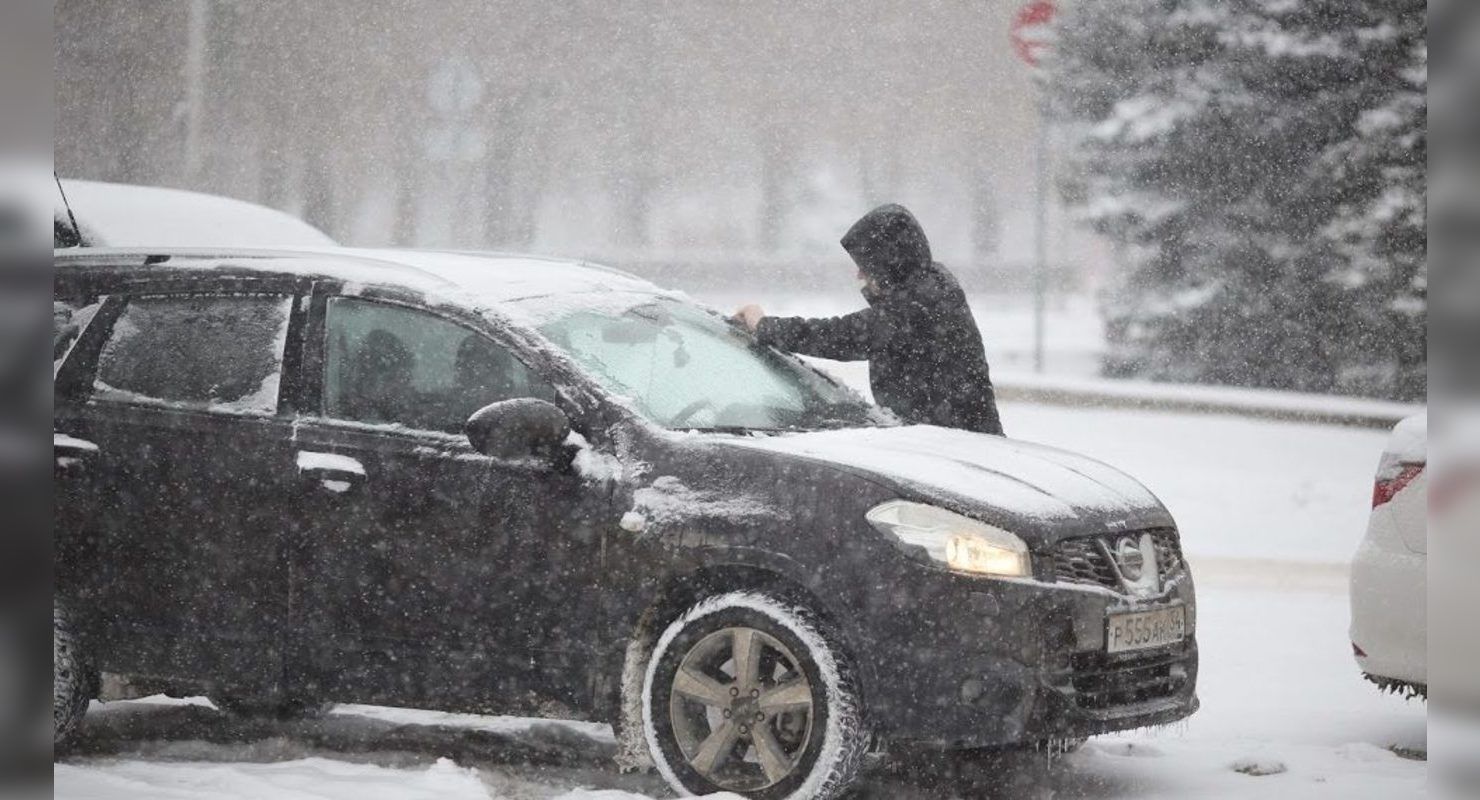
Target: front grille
1103	681
1084	560
1168	552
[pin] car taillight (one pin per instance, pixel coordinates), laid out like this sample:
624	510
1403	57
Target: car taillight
1387	487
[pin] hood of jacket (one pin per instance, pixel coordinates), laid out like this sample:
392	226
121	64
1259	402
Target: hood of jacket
888	245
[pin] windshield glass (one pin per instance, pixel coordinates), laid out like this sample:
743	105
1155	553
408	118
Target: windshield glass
685	368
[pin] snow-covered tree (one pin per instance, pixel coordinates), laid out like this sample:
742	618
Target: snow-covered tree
1262	162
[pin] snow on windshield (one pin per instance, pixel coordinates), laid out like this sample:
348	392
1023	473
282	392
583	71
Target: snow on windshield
683	368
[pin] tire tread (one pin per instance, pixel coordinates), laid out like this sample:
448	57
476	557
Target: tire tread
72	679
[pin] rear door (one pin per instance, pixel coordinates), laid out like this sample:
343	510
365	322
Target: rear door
169	418
433	575
77	308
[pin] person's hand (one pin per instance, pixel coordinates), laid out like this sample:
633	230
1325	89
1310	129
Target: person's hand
750	316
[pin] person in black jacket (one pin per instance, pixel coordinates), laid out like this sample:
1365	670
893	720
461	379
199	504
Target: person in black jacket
924	352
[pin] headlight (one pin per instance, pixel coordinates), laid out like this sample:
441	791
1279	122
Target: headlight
959	543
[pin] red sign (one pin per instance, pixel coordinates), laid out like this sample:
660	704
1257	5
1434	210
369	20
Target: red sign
1031	35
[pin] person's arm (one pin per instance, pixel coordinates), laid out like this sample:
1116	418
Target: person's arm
844	338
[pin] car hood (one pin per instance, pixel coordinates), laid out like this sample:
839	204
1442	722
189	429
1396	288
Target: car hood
1039	491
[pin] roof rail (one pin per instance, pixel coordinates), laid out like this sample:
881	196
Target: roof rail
156	256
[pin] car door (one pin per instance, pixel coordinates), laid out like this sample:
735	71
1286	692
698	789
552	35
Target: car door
75	309
171	443
433	575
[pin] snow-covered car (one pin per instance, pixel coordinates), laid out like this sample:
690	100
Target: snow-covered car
1389	577
98	214
532	486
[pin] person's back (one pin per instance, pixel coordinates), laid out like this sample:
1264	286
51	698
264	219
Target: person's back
925	354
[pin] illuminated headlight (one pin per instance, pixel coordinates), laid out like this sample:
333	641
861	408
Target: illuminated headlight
959	543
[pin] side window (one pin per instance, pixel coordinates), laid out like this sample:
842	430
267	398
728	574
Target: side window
213	352
69	318
393	365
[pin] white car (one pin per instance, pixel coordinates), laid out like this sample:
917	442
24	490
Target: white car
1389	578
123	215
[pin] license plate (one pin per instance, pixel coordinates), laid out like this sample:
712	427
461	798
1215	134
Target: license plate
1143	630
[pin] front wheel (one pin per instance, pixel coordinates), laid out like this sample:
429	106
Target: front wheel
747	693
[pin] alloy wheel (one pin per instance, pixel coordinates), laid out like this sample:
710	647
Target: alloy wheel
741	708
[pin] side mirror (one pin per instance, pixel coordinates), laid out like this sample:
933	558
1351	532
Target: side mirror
524	427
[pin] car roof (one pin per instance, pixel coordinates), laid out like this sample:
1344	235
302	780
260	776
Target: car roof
1409	440
125	215
468	277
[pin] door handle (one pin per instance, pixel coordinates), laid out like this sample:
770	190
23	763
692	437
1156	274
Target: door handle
334	472
70	452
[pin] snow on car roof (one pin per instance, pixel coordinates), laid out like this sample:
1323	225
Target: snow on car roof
123	215
1410	439
501	277
481	279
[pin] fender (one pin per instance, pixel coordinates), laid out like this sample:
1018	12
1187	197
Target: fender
704	570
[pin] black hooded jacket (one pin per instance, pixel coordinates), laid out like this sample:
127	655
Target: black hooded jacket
925	355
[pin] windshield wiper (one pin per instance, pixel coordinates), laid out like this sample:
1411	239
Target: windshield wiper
737	429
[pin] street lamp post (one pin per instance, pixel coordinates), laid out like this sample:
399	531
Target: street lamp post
1040	234
197	26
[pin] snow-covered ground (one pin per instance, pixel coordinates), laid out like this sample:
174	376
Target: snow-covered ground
1240	488
1270	511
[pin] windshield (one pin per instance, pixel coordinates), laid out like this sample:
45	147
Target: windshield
685	368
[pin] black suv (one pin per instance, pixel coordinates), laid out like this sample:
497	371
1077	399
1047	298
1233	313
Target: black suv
518	485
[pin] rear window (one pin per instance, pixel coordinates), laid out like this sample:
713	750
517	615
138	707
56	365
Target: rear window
212	352
69	318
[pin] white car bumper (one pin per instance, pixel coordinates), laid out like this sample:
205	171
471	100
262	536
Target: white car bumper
1389	596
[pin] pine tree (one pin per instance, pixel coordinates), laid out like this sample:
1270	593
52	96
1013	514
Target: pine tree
1239	151
1375	182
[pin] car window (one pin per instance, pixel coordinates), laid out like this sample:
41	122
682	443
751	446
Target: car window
683	368
215	352
390	364
69	318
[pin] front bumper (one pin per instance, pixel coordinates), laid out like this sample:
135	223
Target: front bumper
995	663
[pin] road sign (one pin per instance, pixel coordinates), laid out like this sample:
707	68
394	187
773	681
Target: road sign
1031	32
454	88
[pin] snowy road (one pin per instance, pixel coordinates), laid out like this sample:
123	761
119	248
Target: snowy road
1270	512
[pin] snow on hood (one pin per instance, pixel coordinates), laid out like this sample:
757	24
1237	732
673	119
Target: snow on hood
1021	480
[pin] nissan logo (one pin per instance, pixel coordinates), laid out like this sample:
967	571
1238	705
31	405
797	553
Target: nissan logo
1128	554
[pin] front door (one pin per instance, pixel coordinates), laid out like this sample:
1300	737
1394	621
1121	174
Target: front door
433	575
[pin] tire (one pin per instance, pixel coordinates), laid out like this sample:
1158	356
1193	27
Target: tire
72	678
787	727
280	710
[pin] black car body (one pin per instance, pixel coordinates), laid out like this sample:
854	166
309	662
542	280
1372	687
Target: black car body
287	532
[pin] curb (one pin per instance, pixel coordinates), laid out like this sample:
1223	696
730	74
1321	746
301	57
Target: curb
1374	414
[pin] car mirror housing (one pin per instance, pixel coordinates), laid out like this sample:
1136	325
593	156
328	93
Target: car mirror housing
524	427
